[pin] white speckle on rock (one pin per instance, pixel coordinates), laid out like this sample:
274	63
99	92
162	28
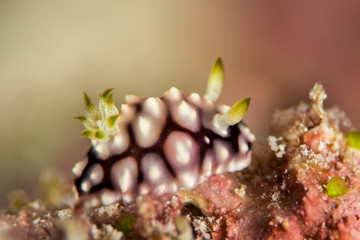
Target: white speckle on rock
64	214
317	96
278	149
36	221
241	191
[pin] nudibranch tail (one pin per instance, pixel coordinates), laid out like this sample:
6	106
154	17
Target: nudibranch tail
215	82
100	123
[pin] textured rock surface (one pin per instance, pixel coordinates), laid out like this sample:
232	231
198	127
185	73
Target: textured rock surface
281	195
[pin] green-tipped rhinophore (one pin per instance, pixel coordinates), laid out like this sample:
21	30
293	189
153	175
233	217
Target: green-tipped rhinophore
237	111
215	81
234	115
100	123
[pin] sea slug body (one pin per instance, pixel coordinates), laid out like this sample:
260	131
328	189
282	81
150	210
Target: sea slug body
160	145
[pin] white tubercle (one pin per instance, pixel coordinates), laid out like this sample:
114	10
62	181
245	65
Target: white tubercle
120	142
173	94
102	149
166	187
127	113
221	168
188	178
223	108
186	116
79	167
181	150
145	188
243	146
239	162
222	151
194	98
246	132
154	169
124	174
207	166
132	99
85	185
96	174
146	130
155	107
108	197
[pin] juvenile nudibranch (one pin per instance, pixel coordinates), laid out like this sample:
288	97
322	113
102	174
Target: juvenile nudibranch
160	145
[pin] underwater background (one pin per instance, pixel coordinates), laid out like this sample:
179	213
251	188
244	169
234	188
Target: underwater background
51	52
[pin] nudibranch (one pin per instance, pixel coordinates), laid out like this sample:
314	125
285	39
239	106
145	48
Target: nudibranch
160	145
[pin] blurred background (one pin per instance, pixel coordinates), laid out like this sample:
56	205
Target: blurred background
51	52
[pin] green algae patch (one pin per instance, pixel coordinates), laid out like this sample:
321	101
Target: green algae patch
336	187
353	139
126	224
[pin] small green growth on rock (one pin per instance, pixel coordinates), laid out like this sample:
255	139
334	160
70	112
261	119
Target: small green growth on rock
17	200
126	224
353	139
336	187
56	188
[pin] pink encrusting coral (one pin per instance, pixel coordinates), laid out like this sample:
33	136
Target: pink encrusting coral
317	151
